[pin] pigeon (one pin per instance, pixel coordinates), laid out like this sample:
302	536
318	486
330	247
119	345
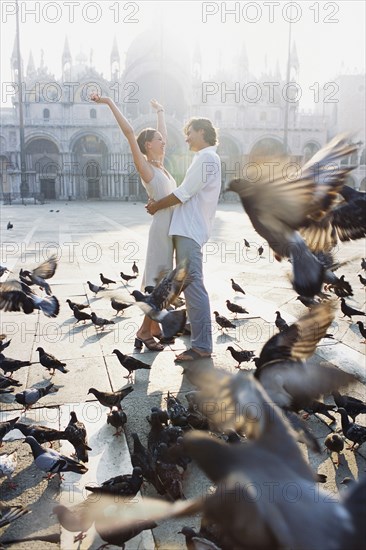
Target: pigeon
240	356
318	407
335	444
362	280
172	322
75	304
119	306
169	473
280	322
292	383
352	405
8	514
105	280
236	287
3	345
3	270
130	363
110	530
280	205
135	269
111	399
7	364
6	426
143	458
349	311
167	290
260	251
75	433
7	381
126	485
29	397
8	464
346	221
94	288
17	296
50	362
338	285
100	322
77	519
42	434
363	264
81	315
247	244
242	472
352	431
46	270
223	322
9	225
299	341
53	462
127	278
235	308
362	330
117	418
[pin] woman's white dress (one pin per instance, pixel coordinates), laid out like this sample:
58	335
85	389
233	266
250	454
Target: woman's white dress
159	255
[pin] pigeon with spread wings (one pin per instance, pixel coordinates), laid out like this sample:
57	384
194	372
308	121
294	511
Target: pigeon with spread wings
279	200
37	276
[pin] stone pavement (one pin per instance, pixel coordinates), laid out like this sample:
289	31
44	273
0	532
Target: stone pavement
95	237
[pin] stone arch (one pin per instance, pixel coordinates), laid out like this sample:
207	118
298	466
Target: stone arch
363	185
90	161
267	146
309	150
44	166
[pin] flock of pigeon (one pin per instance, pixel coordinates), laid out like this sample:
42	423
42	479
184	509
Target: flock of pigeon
242	429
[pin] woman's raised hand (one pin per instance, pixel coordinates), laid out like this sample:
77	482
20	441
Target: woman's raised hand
156	105
94	96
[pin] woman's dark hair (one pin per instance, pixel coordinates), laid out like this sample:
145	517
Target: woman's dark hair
143	137
209	131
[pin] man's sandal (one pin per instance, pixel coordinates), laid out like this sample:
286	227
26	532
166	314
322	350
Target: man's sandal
191	355
150	343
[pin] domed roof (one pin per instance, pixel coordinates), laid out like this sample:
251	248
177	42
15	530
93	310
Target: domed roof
151	46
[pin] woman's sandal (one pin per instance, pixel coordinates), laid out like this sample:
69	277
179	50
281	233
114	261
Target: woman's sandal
191	355
149	343
163	339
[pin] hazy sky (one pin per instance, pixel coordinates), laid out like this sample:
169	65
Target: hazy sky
329	36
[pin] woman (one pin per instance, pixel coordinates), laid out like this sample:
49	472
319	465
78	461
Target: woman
148	151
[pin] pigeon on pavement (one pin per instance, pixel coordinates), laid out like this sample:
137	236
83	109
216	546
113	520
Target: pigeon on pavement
30	396
235	308
79	306
50	362
105	280
117	418
94	288
236	287
111	399
223	322
100	322
348	311
6	426
7	364
75	433
81	315
42	434
240	356
130	363
53	462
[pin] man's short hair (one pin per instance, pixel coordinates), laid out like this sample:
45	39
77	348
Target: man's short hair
209	131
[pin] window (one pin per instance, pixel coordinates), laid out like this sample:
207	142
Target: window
93	113
46	114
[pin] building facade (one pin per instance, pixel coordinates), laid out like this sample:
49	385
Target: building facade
75	150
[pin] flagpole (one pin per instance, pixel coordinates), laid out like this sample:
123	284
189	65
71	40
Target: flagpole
285	121
24	188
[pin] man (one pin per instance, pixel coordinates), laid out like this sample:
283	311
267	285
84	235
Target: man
196	199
